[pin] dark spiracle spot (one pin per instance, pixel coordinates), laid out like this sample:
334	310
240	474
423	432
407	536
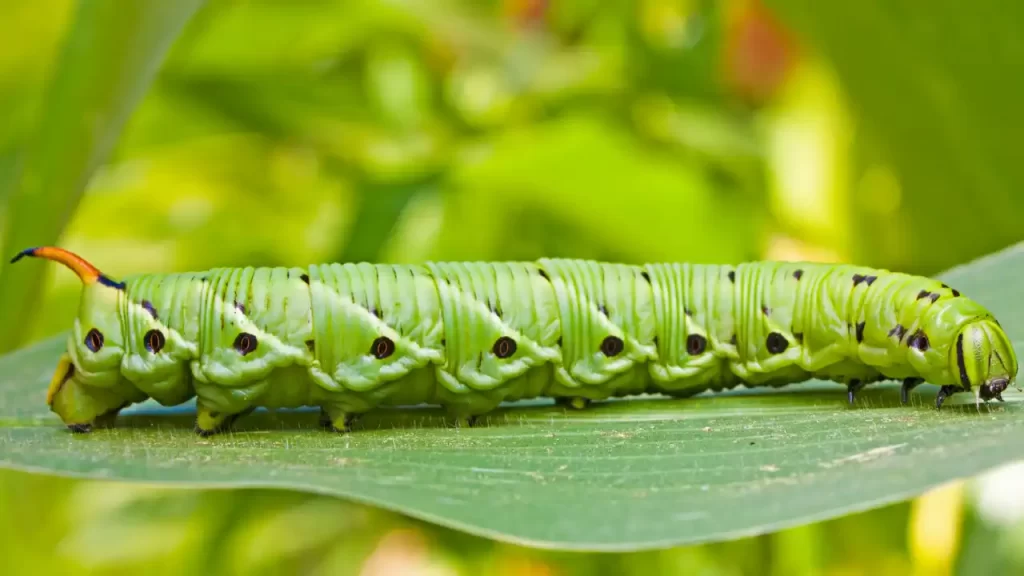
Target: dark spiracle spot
612	346
304	278
382	348
869	280
732	275
923	294
695	344
504	347
311	345
860	332
918	340
798	274
94	340
154	341
245	343
776	343
898	331
857	279
956	293
646	276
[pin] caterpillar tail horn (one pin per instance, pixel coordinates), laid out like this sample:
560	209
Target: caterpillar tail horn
86	272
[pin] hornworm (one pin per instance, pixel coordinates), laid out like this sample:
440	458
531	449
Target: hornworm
470	335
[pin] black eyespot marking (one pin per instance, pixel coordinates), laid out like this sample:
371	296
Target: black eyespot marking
765	310
687	311
695	344
776	343
732	275
311	345
860	332
646	276
923	294
869	280
798	274
857	279
374	311
305	278
898	331
154	341
382	348
504	347
543	274
612	346
496	310
240	307
602	309
148	307
245	343
799	337
918	340
94	340
956	293
934	297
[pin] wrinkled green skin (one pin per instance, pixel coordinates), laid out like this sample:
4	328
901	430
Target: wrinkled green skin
315	338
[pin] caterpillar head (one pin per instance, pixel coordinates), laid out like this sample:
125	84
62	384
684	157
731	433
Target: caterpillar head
983	357
88	384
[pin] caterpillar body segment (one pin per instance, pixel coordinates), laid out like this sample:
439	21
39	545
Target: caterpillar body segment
471	335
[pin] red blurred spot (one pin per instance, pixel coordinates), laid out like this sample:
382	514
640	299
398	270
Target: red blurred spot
759	52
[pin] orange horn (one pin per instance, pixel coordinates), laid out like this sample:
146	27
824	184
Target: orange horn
86	272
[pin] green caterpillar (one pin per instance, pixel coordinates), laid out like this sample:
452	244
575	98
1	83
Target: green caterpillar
468	336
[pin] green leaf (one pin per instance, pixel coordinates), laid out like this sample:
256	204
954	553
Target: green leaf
624	475
111	55
934	95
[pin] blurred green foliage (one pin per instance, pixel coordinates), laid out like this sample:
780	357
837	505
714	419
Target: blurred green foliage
295	132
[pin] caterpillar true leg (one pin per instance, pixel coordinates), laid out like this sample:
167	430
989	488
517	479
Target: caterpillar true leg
852	388
908	385
945	392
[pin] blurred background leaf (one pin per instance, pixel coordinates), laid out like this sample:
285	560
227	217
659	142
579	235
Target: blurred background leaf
937	109
110	55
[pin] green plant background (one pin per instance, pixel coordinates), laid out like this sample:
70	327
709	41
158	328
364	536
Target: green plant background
187	135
